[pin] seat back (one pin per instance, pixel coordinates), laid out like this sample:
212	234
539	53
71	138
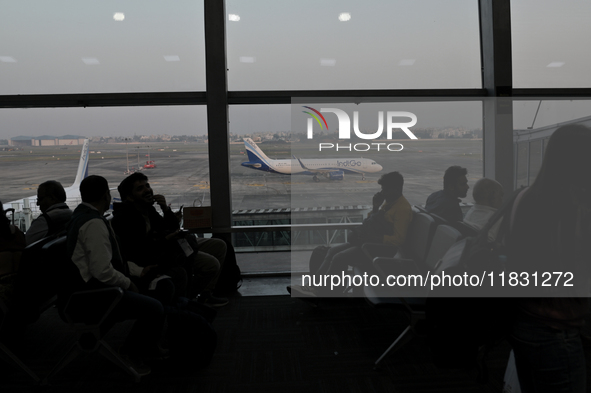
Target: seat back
418	237
445	236
65	275
34	290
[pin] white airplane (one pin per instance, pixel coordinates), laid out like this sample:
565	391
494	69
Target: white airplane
331	168
72	192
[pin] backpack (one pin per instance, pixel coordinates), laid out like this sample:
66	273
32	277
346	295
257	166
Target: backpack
317	257
230	277
461	326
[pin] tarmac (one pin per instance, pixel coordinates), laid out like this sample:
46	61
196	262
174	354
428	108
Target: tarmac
183	175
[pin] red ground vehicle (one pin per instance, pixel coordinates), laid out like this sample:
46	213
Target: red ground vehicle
150	165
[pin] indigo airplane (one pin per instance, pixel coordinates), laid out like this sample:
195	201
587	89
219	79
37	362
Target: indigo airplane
72	192
331	168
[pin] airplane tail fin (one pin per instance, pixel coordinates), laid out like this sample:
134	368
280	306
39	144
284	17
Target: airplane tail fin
255	154
83	165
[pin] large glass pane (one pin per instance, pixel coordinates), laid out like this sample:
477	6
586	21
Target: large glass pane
534	121
336	44
45	144
70	46
549	43
449	133
263	146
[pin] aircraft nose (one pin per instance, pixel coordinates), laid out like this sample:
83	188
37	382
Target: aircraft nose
379	167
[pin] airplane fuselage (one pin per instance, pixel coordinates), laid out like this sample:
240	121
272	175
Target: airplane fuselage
293	167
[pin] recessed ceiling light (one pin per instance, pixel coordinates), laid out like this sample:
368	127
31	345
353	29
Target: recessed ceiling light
172	58
90	61
344	16
119	16
7	59
247	59
556	64
234	17
406	62
328	62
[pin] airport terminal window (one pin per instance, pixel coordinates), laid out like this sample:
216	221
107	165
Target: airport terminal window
450	133
52	47
170	138
534	121
339	44
549	43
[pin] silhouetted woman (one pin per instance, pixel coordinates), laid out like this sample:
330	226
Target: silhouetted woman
550	235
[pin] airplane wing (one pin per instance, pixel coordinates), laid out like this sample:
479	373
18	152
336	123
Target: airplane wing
319	170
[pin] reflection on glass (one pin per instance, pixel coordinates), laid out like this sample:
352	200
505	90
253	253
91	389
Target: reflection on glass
544	56
48	48
345	44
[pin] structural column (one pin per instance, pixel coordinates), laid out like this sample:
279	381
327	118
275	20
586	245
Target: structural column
217	112
497	79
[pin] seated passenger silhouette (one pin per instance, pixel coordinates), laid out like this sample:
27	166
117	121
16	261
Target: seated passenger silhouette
445	203
51	199
148	239
387	223
488	197
92	247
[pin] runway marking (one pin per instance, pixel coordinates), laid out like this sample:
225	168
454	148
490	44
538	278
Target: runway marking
202	185
256	185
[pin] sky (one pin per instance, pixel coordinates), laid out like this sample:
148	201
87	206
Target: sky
68	46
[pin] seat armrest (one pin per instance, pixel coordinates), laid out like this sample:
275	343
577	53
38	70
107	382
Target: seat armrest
374	250
395	266
92	307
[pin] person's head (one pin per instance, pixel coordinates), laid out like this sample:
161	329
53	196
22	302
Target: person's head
135	188
488	192
564	174
392	184
455	181
49	193
95	190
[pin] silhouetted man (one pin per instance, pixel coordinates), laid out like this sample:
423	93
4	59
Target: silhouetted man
445	203
92	247
148	238
51	199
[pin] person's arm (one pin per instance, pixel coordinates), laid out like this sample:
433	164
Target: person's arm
94	238
400	219
134	269
170	220
37	230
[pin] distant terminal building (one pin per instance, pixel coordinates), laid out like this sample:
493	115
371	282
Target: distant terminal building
46	140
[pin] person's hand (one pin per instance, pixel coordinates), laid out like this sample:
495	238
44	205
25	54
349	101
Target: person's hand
147	269
179	214
161	201
133	288
172	235
378	199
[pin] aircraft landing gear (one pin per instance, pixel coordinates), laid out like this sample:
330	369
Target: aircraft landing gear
315	178
362	177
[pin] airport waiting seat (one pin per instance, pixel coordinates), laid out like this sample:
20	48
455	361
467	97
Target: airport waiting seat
418	238
465	229
88	324
24	298
411	300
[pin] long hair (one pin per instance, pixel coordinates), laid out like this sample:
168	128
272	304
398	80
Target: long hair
550	211
564	179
